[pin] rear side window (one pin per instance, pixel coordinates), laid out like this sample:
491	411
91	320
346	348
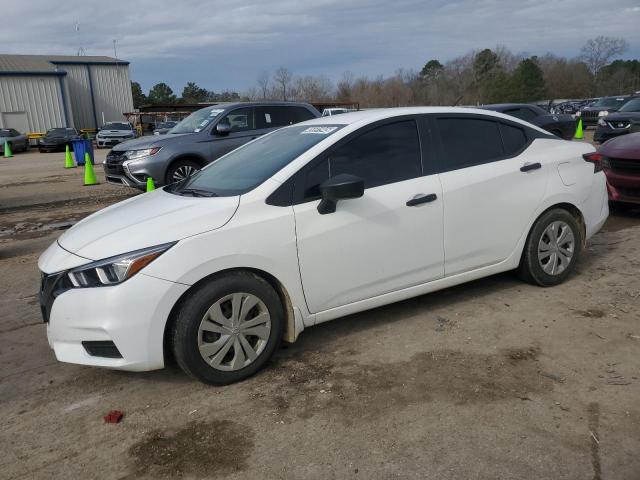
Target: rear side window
387	154
280	116
522	113
469	141
513	138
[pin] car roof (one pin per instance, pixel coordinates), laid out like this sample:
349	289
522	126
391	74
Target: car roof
255	103
368	116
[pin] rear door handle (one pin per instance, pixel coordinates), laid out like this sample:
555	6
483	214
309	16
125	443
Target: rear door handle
421	198
530	166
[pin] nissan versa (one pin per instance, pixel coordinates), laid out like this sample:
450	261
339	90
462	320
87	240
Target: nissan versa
312	222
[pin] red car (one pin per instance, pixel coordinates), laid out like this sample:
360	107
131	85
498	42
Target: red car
620	160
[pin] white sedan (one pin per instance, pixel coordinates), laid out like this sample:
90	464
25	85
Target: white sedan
313	222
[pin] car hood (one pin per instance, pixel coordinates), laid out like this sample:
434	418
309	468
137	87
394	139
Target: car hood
599	109
150	141
144	221
624	146
616	117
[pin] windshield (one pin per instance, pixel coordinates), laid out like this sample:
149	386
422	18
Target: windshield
116	126
247	167
60	132
631	106
195	122
610	102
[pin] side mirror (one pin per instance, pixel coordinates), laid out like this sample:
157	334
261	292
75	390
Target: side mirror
223	128
340	187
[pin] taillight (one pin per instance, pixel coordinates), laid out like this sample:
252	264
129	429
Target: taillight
595	158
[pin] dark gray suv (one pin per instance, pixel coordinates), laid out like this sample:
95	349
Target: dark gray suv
199	139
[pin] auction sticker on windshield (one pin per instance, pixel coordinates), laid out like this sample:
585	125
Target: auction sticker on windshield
319	130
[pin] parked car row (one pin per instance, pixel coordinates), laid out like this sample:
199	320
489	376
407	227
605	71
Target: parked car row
561	125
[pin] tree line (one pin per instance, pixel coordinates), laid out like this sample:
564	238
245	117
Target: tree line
478	77
162	94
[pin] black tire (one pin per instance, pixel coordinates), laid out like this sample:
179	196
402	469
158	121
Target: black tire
530	269
176	166
185	332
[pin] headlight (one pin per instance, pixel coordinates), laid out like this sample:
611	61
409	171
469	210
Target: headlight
603	113
114	270
602	122
578	113
147	152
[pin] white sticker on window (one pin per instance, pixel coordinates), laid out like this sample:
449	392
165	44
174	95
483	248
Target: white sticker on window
197	130
267	117
215	112
204	123
319	130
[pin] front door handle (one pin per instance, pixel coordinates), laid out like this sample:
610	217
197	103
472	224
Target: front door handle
530	166
421	198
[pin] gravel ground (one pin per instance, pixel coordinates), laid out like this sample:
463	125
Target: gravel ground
492	379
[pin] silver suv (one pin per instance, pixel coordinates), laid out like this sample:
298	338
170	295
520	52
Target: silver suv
199	139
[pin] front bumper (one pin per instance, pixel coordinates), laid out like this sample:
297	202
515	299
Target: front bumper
623	187
110	141
132	315
602	134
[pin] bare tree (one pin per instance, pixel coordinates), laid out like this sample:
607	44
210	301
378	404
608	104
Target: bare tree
599	51
282	77
263	83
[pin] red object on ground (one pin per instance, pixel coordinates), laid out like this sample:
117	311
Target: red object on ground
114	416
621	164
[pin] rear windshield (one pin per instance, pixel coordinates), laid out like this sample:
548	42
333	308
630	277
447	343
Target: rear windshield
610	102
631	106
247	167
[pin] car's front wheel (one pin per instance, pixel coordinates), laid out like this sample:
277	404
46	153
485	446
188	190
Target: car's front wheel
552	249
180	170
228	328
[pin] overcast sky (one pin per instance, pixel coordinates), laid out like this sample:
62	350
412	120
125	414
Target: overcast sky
226	44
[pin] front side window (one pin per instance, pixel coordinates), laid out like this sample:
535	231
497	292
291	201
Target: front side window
469	141
387	154
243	169
240	120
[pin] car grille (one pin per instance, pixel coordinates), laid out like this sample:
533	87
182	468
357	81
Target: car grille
624	165
590	114
622	124
50	287
113	163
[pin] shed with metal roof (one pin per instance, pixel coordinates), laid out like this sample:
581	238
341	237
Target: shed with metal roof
38	92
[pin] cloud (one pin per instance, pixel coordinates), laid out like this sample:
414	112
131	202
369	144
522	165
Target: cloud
221	44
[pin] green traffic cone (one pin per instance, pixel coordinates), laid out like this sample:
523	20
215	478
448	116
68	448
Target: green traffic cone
150	185
68	161
579	134
89	174
7	150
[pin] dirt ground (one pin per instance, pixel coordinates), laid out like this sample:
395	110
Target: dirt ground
494	379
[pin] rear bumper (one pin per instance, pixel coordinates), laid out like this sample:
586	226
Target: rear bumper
595	209
623	188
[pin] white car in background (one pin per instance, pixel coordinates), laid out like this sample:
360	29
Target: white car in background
113	133
313	222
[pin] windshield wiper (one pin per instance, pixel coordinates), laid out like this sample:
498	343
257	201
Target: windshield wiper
196	192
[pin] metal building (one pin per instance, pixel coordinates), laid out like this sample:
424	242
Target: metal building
38	92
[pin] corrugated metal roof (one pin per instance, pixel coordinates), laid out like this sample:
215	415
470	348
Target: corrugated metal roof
47	63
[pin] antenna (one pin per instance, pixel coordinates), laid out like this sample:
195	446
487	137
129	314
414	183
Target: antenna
115	52
81	50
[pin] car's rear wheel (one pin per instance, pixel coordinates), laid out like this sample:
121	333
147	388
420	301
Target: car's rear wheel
228	328
180	170
552	249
